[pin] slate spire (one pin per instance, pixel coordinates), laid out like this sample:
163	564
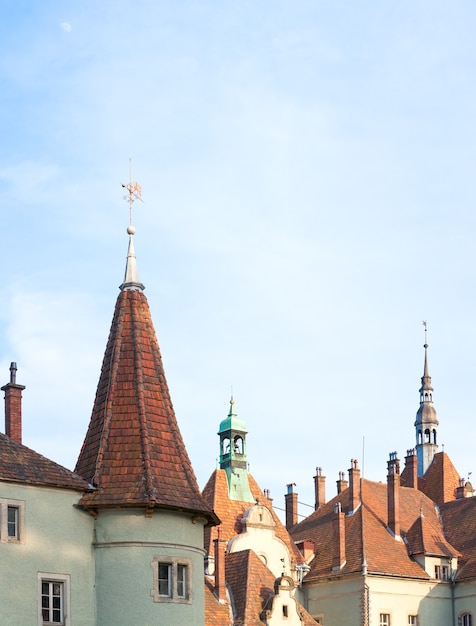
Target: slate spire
133	453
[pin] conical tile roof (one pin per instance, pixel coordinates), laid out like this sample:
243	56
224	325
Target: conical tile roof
133	453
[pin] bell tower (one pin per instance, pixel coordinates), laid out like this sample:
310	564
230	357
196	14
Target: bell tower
426	423
233	460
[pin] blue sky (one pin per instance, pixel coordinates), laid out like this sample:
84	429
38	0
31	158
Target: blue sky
308	182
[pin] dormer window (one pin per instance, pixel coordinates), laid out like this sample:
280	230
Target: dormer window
442	572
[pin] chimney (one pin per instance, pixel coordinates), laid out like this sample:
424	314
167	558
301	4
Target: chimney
13	405
411	469
319	489
306	548
291	506
267	495
338	532
354	484
220	582
393	494
341	483
460	489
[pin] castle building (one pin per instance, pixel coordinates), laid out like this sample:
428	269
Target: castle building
259	578
119	540
403	552
128	538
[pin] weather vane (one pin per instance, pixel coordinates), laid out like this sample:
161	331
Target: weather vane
134	191
424	324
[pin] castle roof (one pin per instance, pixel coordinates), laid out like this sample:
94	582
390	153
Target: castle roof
368	541
440	480
18	463
133	452
231	512
459	521
251	587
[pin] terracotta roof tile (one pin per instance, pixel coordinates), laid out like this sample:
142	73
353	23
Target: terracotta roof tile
133	452
216	613
231	512
21	464
440	480
367	535
459	521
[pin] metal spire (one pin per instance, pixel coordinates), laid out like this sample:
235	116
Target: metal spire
131	275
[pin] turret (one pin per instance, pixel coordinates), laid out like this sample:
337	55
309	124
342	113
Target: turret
426	423
233	460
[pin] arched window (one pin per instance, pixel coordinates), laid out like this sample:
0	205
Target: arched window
434	435
238	445
466	619
420	440
427	435
226	446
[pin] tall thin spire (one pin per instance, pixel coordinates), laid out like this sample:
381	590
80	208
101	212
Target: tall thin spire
426	423
131	275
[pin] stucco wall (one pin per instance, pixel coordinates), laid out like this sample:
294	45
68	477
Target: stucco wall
126	544
56	540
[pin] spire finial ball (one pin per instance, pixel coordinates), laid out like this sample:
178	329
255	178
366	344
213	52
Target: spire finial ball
131	230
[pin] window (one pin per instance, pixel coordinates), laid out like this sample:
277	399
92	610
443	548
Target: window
172	580
285	610
165	579
52	603
384	619
53	600
442	572
466	619
412	620
12	521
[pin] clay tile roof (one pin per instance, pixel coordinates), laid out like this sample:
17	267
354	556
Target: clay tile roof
423	538
21	464
216	613
251	587
459	522
133	452
231	512
367	536
440	480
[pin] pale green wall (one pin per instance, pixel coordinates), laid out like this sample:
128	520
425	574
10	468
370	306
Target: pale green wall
338	600
126	544
57	539
430	600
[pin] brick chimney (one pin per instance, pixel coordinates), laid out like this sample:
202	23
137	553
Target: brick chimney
338	533
341	483
411	469
319	489
354	485
220	581
13	405
393	494
306	548
291	506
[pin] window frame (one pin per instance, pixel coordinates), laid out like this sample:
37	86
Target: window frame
385	619
179	579
64	581
412	620
6	505
466	619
